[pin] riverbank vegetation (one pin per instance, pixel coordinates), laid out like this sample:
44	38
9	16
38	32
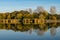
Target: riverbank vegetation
40	12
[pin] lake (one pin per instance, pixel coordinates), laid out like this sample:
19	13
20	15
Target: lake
29	32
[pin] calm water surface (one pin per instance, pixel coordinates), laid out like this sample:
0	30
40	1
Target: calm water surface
31	34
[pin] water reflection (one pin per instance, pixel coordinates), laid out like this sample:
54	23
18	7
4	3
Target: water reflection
53	31
39	29
40	32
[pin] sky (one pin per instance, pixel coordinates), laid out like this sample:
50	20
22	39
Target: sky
16	5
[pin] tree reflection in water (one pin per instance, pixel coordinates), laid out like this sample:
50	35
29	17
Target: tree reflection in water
53	31
39	29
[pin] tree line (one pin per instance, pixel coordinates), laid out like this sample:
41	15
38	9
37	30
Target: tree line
38	13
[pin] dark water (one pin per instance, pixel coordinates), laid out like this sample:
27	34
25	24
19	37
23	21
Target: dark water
18	32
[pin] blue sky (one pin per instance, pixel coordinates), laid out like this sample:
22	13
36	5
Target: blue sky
12	5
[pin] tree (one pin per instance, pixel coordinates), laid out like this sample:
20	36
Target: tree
39	9
53	10
1	17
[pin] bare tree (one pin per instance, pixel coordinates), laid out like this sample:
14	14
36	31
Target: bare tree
53	10
39	9
29	10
